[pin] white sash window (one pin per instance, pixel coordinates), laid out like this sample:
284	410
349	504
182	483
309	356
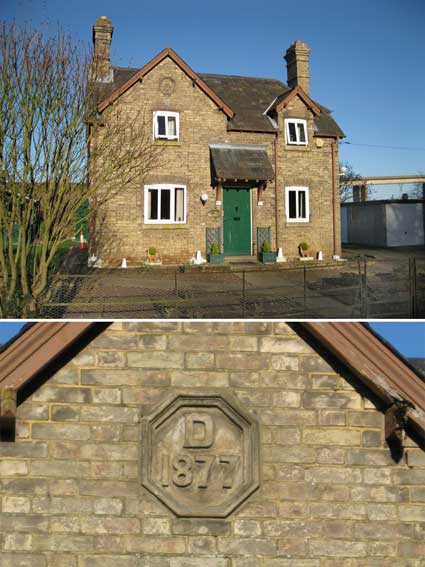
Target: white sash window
296	131
165	204
297	204
165	125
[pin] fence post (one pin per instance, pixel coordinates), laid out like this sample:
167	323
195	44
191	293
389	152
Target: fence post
364	305
415	310
243	294
412	288
304	288
359	269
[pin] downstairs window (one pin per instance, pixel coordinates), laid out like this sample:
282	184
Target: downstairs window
165	204
297	204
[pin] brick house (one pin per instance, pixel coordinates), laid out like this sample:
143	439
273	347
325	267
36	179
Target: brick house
242	154
216	444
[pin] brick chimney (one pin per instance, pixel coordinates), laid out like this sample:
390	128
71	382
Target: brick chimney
102	36
297	64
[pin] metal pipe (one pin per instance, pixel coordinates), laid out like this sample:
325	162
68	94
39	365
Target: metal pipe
276	146
334	185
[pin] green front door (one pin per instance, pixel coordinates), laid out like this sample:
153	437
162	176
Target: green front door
237	222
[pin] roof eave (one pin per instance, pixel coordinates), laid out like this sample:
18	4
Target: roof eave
375	365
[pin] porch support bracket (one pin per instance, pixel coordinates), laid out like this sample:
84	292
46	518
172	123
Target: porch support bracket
396	419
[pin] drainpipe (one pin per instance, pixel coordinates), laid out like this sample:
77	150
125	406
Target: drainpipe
93	200
334	173
276	147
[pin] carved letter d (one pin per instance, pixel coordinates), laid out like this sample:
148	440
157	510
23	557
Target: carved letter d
199	431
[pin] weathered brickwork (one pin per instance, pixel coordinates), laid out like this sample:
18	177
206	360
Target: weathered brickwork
330	493
122	231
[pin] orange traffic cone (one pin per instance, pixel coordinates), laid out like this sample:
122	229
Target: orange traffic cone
82	240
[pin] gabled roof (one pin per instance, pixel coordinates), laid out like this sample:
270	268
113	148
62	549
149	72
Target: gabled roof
375	364
283	100
243	99
167	52
249	97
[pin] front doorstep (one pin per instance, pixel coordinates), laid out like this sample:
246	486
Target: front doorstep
243	259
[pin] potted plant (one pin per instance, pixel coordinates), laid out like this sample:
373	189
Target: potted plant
303	250
215	257
266	254
152	257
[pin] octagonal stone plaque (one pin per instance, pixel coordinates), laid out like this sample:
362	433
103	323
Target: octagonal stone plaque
200	455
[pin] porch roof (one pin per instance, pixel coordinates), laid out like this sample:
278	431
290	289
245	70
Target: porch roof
240	162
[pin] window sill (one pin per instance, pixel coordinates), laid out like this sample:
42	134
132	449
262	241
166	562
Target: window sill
296	223
166	226
295	147
166	142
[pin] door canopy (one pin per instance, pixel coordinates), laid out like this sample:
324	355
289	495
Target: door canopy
240	162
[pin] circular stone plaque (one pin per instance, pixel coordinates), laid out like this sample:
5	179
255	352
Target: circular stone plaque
167	86
200	455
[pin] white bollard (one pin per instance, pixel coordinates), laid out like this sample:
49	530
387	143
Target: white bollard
280	257
198	258
124	263
320	255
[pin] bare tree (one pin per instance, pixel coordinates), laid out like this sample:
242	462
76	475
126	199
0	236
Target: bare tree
346	181
417	191
56	154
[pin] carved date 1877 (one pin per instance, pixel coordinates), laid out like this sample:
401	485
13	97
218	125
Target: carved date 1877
200	455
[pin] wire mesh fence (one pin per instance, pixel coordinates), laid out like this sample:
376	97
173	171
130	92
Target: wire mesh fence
357	289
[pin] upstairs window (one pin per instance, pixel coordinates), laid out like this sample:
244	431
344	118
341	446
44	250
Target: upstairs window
296	131
165	204
165	125
297	204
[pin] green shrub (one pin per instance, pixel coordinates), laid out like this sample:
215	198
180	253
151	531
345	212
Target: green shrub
304	246
266	246
214	248
152	250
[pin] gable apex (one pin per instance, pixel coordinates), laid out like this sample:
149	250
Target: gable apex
297	91
167	52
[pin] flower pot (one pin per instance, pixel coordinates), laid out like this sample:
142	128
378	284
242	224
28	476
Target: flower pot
216	258
267	257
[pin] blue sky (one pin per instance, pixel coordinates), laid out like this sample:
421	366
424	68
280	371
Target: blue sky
407	337
366	57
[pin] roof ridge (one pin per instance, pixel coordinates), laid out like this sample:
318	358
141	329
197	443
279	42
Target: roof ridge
125	68
243	77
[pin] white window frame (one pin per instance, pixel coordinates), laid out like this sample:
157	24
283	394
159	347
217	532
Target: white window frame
164	187
167	114
307	204
295	121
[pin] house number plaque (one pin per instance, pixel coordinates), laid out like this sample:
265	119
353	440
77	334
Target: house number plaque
200	455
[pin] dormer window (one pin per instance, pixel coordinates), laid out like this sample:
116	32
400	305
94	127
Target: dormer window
296	131
166	125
